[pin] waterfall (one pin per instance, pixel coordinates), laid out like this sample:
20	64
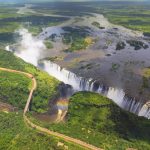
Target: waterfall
31	49
145	111
78	83
84	84
117	95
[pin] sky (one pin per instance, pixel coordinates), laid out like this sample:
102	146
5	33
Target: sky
13	1
63	0
86	0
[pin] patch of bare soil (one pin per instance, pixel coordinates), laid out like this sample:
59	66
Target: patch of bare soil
4	107
45	117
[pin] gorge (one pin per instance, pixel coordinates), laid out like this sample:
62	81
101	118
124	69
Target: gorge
32	50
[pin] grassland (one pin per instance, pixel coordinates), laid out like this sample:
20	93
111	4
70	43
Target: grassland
16	135
14	89
97	120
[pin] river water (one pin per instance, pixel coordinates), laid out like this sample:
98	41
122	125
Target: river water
122	85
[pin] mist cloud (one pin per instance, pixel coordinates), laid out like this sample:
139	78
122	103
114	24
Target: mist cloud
30	47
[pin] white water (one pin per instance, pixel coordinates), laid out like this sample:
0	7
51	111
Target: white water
117	95
51	30
65	76
82	84
145	111
30	50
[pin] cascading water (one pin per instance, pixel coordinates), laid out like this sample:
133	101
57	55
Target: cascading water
83	84
30	52
145	110
78	83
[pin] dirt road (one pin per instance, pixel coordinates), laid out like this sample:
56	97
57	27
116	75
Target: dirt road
41	129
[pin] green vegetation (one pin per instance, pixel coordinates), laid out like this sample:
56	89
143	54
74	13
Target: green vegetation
53	59
16	135
64	10
14	88
7	28
8	38
146	78
120	45
66	38
87	66
145	83
77	37
34	20
77	44
35	30
10	21
133	15
137	44
48	44
91	117
96	24
47	86
115	67
8	12
146	72
146	34
97	120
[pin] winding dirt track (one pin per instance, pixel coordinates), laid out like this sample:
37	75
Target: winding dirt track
41	129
